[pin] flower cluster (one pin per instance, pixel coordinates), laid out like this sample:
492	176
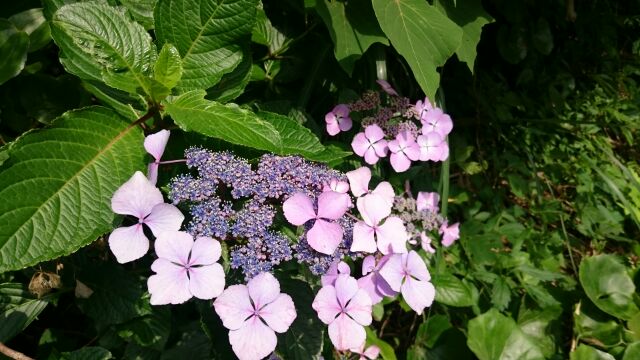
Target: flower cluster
392	129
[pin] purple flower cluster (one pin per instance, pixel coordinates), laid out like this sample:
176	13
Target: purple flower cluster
261	254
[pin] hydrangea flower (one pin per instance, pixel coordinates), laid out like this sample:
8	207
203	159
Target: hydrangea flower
386	87
140	198
422	107
436	120
359	184
155	145
338	119
336	268
324	235
253	313
449	233
371	234
346	309
428	201
432	147
375	285
185	268
370	144
425	243
404	149
408	274
372	352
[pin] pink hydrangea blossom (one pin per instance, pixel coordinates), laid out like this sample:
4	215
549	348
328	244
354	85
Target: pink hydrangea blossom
253	313
427	201
375	285
324	236
425	243
386	87
372	352
346	309
341	187
408	274
370	144
432	147
422	107
449	233
338	119
372	234
359	183
140	198
404	149
436	120
185	268
336	268
155	145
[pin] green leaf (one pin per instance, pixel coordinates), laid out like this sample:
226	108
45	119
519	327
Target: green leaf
141	10
500	294
493	336
422	35
207	33
537	324
596	327
303	340
264	33
57	184
232	84
386	350
585	352
88	353
452	291
429	331
128	106
168	67
353	28
99	42
33	23
607	284
18	308
13	47
632	352
471	17
149	331
296	139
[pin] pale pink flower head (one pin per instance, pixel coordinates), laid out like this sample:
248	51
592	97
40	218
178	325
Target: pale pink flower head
371	353
422	107
425	242
185	268
449	233
359	183
346	309
404	149
375	285
336	268
155	145
324	235
408	274
253	313
433	147
373	234
338	119
140	198
428	201
436	120
370	144
386	87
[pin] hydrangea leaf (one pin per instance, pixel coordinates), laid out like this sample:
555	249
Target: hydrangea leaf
18	308
57	183
207	33
88	353
353	28
296	139
424	36
32	22
13	47
99	42
141	10
232	84
452	291
168	67
586	352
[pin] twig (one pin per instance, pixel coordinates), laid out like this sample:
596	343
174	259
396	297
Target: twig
12	354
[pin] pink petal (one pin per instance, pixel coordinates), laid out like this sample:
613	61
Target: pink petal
413	151
425	243
326	304
363	238
128	243
206	282
392	236
394	146
345	124
298	209
164	217
374	133
445	125
443	149
170	285
370	156
205	251
330	118
381	148
360	144
156	143
368	264
385	190
427	201
174	246
418	294
233	306
253	341
449	234
373	208
393	271
152	172
346	333
346	287
372	352
324	236
263	289
341	110
359	180
136	197
336	268
368	284
332	205
400	162
386	87
333	128
359	308
416	267
279	314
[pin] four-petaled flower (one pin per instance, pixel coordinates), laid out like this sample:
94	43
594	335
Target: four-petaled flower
375	285
436	120
427	201
185	268
140	198
346	309
432	147
338	119
369	235
254	313
370	144
449	233
155	145
324	236
404	149
336	268
408	274
359	183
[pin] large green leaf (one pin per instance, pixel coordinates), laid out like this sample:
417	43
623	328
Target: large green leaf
100	42
13	47
18	308
584	352
607	284
207	33
141	10
32	22
232	84
493	336
424	36
452	291
353	28
296	139
56	185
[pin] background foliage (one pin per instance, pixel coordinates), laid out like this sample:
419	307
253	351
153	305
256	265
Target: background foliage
544	172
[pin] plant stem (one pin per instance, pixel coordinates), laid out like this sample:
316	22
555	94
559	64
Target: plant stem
13	354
